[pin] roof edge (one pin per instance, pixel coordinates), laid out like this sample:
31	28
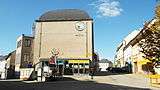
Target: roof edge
62	20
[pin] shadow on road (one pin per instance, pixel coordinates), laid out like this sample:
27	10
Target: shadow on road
105	73
65	84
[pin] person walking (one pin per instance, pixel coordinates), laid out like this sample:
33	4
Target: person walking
92	71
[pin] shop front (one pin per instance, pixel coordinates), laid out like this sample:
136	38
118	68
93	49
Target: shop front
77	66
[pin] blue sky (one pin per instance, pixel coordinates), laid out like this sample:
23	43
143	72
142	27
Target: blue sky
113	19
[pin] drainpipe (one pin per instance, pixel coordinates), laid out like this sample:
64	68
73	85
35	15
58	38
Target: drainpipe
40	41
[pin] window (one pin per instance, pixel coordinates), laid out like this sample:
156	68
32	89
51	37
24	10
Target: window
19	44
27	42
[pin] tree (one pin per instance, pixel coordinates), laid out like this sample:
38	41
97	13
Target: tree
150	43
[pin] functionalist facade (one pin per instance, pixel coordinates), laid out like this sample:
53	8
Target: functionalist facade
67	32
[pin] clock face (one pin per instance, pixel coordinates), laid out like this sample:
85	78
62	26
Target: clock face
80	26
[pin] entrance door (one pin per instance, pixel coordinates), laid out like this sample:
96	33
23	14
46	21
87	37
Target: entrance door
135	67
75	68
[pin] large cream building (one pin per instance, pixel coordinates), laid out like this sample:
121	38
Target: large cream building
69	33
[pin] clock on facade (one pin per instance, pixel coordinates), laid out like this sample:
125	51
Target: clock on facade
80	26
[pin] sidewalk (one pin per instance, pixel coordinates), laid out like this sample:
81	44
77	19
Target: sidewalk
131	80
154	80
8	80
156	85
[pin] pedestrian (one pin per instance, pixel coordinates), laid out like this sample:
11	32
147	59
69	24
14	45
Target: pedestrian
92	72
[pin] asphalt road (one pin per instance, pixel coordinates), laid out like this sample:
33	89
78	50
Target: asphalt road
66	84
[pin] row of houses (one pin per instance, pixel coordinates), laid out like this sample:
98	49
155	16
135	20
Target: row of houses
128	53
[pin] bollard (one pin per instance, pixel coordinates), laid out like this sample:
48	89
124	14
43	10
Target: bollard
39	74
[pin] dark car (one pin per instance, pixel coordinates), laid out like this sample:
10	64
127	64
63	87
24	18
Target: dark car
109	69
117	70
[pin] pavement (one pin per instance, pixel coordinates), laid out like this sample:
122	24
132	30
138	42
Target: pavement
83	82
131	80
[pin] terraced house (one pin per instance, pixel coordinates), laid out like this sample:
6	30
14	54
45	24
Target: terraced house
131	53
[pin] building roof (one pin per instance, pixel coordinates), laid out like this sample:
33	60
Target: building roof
104	61
64	15
7	56
2	58
139	36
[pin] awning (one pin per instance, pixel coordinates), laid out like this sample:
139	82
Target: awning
144	61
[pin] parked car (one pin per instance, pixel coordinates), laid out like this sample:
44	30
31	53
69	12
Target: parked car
117	69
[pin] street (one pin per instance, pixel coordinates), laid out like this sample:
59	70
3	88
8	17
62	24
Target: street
105	82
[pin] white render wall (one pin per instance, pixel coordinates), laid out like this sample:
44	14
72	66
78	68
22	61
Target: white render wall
18	54
2	66
104	66
124	55
130	36
128	54
3	72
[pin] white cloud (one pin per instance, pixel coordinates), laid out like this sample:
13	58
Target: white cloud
107	8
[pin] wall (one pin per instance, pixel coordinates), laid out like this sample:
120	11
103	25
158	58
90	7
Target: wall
104	66
11	60
18	54
65	38
128	54
120	56
21	51
2	66
26	50
137	58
